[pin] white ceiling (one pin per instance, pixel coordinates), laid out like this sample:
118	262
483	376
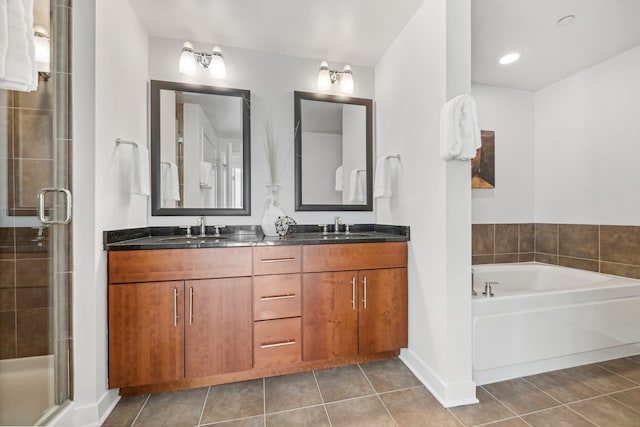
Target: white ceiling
356	32
601	29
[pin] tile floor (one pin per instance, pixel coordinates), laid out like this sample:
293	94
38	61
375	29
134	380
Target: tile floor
385	393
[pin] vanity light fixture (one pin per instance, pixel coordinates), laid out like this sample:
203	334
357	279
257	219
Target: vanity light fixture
213	61
43	50
509	58
327	77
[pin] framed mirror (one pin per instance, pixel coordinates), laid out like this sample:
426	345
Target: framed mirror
200	150
333	152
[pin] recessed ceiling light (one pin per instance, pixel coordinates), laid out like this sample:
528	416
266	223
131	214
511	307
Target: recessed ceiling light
565	20
509	58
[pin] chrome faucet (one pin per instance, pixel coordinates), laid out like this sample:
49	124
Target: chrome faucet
488	292
202	223
336	224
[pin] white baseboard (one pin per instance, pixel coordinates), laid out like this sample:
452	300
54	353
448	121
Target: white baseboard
449	395
88	415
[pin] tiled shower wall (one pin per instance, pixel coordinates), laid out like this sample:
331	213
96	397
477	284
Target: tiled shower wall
611	249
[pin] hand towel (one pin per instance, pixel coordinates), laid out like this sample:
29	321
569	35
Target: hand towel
205	174
170	182
141	176
17	47
382	181
339	178
356	185
459	130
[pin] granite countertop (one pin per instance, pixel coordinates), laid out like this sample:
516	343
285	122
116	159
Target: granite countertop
243	235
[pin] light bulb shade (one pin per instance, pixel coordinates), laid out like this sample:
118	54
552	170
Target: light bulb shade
324	77
346	82
187	64
43	53
217	68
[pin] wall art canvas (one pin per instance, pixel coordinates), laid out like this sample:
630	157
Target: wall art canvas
483	165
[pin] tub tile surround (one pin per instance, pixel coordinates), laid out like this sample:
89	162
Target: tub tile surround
385	393
610	249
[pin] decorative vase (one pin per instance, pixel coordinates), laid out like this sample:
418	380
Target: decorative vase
271	210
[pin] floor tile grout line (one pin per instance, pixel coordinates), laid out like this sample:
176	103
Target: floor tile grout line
324	405
401	389
454	415
584	381
204	405
620	375
386	409
621	402
140	411
539	388
581	415
498	421
501	402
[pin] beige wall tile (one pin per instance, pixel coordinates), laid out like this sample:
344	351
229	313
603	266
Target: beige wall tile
482	240
620	244
546	238
526	237
582	264
506	238
578	240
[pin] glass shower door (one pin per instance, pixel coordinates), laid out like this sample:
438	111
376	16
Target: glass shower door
35	267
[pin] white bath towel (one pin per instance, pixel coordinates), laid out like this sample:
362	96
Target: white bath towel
459	131
141	176
356	185
382	180
339	178
17	47
170	182
205	174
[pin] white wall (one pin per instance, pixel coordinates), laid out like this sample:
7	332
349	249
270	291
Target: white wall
509	113
428	63
109	101
272	80
587	148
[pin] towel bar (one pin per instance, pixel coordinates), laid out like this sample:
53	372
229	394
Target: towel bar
122	141
393	156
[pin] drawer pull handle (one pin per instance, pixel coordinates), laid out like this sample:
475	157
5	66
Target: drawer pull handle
278	343
268	260
276	297
364	281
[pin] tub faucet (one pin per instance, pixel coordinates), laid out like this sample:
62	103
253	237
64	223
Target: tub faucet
336	224
487	288
202	223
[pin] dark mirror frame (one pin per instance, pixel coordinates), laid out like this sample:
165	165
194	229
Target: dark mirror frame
156	197
297	115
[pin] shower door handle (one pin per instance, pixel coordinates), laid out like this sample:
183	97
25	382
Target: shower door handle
67	201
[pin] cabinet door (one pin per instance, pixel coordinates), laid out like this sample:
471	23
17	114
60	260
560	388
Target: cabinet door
146	333
330	316
218	326
383	310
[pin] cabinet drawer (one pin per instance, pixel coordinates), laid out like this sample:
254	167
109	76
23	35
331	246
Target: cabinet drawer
354	256
276	296
276	260
276	342
178	264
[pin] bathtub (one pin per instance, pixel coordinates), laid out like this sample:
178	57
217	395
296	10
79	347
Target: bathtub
542	318
26	390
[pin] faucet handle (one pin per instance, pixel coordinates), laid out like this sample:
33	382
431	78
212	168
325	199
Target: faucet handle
188	228
323	227
347	228
217	229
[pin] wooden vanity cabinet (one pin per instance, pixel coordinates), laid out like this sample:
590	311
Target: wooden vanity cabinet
162	331
354	299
